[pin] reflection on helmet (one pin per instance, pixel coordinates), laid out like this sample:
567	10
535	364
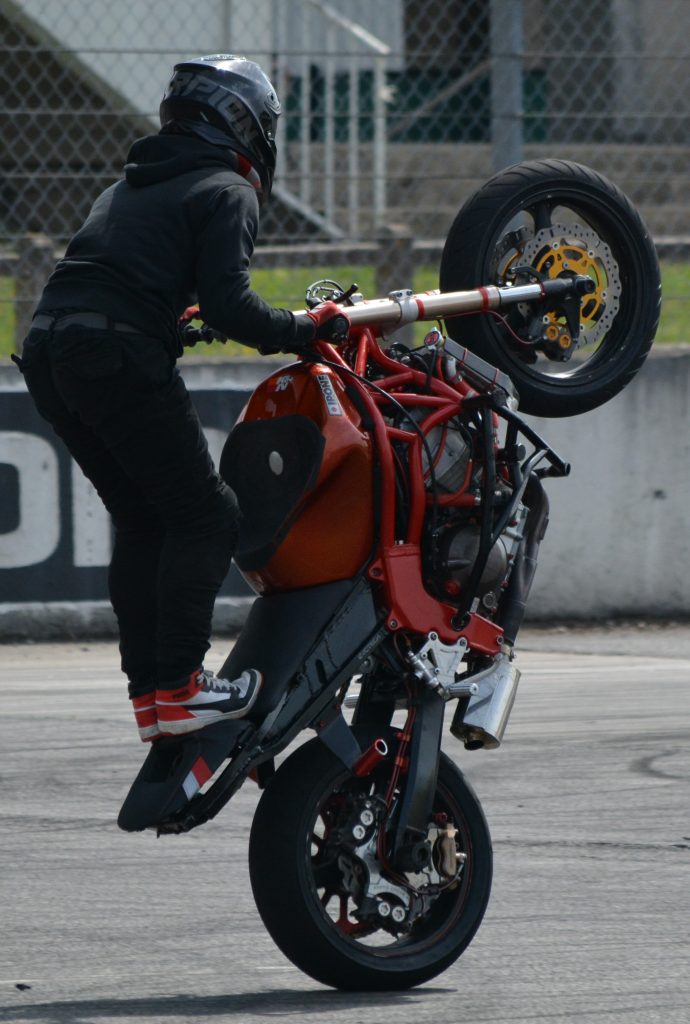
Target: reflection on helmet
227	100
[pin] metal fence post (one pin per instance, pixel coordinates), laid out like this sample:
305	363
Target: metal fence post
395	266
380	177
506	82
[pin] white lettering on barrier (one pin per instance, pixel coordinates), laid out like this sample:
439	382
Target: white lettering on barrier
37	534
91	534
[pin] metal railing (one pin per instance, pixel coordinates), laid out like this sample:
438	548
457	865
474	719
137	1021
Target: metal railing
339	220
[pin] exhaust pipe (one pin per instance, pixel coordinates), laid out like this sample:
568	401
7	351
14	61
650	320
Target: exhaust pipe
481	720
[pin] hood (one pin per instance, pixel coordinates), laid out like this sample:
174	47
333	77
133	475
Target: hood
160	157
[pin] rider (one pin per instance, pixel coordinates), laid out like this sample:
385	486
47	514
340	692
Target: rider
100	357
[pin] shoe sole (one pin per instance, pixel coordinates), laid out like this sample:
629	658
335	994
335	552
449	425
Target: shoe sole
201	718
149	733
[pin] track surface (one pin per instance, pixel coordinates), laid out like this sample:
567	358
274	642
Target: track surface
588	802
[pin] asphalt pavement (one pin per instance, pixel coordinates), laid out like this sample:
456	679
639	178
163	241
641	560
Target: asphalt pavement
588	801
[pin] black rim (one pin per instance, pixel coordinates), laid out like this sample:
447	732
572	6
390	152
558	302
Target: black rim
336	907
543	209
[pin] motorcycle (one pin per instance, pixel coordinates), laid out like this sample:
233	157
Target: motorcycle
393	508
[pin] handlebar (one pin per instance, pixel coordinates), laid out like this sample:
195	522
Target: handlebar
404	307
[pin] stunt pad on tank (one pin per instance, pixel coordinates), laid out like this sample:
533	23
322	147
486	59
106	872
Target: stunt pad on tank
300	462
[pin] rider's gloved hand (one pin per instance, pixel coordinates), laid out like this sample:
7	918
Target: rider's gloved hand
194	334
330	322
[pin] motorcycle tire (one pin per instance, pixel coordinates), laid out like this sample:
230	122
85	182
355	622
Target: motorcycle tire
556	216
295	889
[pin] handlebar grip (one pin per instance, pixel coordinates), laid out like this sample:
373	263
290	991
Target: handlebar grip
562	287
339	327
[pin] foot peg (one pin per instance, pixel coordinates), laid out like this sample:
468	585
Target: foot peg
174	771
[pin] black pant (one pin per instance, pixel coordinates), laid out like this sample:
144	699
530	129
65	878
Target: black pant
123	411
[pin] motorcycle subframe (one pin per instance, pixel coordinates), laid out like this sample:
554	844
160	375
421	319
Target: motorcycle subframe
310	657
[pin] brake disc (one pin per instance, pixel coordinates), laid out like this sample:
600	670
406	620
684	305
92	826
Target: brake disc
579	250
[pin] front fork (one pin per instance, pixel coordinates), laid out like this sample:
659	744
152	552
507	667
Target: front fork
410	849
415	764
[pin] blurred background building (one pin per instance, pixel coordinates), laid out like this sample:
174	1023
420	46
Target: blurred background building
393	110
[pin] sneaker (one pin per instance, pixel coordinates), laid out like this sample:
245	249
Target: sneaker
146	716
205	699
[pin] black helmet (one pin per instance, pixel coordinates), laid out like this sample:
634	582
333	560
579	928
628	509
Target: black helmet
226	100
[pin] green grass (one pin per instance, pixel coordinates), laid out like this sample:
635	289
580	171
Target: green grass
286	287
674	327
6	316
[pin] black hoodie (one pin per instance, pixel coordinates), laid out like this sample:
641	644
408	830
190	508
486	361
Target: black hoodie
180	228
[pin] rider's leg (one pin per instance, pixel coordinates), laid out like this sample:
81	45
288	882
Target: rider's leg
138	534
144	418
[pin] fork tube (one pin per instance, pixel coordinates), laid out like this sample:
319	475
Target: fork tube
420	782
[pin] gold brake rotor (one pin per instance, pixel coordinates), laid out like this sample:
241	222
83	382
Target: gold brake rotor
577	249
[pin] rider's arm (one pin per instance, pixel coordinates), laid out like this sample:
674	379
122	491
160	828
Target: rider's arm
226	298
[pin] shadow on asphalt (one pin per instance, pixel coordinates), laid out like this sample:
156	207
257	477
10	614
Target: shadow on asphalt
250	1003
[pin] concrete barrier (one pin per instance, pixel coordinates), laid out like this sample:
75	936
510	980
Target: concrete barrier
618	544
619	539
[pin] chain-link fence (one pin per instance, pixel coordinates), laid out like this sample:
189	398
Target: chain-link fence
393	111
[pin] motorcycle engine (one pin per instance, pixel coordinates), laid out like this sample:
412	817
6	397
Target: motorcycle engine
450	455
458	551
450	447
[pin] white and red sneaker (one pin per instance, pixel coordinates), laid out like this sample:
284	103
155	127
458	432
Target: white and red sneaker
204	699
146	716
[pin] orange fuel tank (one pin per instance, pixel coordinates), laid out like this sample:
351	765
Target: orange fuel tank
301	464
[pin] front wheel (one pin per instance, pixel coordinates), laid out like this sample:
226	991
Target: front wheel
544	219
326	899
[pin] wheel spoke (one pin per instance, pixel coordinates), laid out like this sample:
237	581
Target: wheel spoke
326	875
352	928
327	897
343	918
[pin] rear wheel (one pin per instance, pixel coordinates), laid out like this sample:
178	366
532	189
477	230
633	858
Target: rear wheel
325	897
557	217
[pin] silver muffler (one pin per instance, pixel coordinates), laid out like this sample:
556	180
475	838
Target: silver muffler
481	720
